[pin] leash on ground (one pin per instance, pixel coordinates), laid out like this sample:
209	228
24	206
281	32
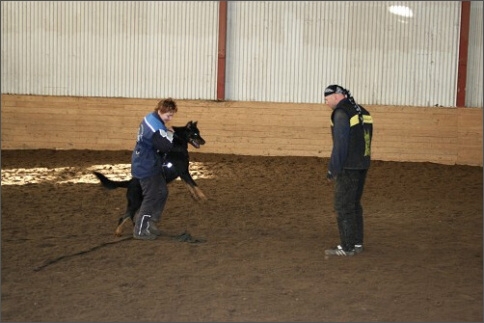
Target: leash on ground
184	237
53	261
187	237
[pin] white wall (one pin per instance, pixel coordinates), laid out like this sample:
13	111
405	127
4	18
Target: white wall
145	49
277	51
474	62
289	51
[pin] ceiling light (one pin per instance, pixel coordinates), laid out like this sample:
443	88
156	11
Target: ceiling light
401	11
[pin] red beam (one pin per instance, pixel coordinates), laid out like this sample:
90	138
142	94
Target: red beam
463	50
222	50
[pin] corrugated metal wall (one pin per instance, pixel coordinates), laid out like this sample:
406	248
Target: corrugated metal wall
144	49
475	67
289	51
277	51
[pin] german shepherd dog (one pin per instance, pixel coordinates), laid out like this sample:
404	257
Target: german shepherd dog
176	164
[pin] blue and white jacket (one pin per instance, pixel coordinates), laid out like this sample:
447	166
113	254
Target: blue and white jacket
152	142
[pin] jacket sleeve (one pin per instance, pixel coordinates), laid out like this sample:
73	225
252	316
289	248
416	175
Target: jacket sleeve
341	135
163	140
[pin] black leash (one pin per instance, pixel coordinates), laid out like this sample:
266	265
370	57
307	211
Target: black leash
53	261
184	237
187	237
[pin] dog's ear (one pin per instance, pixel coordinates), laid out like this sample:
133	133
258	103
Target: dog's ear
189	124
195	123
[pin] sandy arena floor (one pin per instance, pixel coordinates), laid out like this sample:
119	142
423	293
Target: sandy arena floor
266	224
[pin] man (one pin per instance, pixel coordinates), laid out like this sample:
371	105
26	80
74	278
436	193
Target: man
154	139
352	131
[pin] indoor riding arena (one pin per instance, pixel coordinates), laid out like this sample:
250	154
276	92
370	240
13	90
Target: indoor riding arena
253	251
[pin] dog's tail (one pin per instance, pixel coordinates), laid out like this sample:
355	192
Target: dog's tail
109	184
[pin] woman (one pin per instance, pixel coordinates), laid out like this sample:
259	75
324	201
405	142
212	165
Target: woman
154	140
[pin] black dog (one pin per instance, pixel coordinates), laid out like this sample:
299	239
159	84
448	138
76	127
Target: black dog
176	164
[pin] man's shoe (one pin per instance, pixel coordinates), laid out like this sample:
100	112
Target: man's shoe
358	248
338	251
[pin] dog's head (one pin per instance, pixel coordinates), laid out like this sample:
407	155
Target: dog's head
192	134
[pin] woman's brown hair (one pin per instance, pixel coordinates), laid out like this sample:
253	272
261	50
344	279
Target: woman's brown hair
166	105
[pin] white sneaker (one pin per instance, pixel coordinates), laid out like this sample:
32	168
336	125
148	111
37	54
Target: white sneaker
338	251
358	248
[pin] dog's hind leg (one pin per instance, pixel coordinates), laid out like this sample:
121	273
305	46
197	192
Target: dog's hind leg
128	216
119	228
196	193
199	193
135	197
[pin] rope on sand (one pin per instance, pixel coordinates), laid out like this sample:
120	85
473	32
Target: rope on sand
184	237
187	237
53	261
